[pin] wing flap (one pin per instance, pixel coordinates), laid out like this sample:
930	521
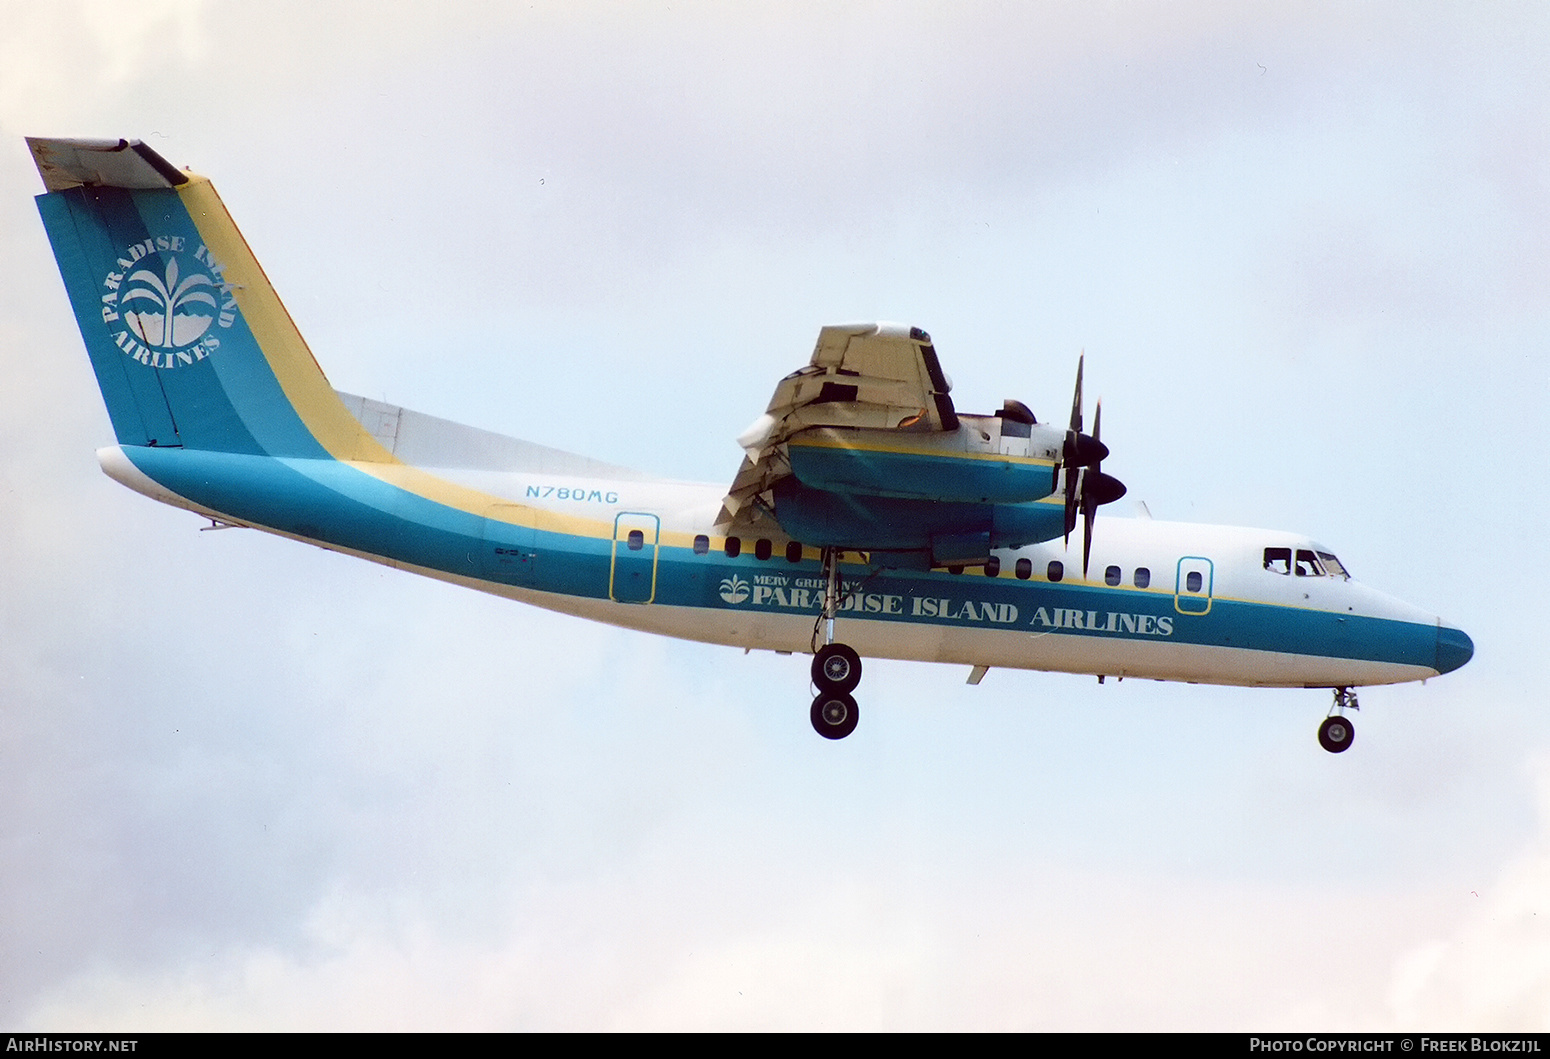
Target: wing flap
867	375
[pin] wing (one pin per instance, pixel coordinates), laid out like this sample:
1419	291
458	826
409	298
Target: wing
875	375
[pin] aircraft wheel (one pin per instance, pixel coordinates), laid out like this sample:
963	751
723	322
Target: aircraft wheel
834	714
836	668
1336	734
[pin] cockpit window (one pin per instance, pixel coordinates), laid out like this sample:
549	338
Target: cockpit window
1308	564
1334	566
1312	561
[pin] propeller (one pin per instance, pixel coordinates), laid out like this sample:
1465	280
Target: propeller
1087	487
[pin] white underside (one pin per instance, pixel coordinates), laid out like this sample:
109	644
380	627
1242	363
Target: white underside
994	648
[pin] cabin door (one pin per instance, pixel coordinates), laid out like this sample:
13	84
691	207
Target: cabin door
632	570
1192	586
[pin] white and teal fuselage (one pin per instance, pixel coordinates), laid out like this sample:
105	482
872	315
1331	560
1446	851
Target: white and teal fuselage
1244	625
218	407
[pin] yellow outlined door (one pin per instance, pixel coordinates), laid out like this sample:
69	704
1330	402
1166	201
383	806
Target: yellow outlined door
632	569
1192	585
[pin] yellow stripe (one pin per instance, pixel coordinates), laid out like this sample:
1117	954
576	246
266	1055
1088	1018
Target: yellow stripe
304	384
297	371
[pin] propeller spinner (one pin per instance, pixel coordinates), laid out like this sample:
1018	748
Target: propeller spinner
1087	487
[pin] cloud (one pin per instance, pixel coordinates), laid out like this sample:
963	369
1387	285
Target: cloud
683	944
59	59
1492	973
250	784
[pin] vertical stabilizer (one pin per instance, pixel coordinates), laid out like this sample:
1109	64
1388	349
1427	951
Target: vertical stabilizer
191	346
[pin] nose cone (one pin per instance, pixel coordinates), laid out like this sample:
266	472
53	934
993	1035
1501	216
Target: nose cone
1454	648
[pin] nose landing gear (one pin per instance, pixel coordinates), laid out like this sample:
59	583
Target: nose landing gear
836	667
1336	733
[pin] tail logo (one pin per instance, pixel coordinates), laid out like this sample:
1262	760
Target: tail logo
161	301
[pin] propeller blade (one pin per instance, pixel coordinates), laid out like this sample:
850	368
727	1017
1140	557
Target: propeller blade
1081	458
1076	400
1072	452
1089	504
1073	480
1096	489
1089	512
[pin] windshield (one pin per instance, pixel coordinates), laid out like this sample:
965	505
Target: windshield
1309	561
1335	567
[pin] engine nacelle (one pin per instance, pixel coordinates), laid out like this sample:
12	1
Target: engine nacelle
911	533
986	460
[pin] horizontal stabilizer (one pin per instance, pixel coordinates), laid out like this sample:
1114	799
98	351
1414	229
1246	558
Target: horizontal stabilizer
129	164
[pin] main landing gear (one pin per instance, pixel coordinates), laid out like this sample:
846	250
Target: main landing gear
836	668
1336	733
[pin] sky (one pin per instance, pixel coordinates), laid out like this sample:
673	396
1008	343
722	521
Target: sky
247	784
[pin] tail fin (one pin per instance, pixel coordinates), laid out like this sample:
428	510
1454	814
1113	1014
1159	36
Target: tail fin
190	343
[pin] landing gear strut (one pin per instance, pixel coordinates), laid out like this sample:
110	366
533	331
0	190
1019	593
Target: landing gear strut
1336	733
836	668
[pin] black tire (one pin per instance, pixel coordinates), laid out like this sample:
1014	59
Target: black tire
1336	734
836	668
834	714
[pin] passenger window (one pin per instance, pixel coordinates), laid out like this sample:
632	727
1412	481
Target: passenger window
1278	560
1055	571
1024	569
734	547
993	567
1308	564
1193	581
637	540
1111	576
793	551
701	544
762	549
1143	577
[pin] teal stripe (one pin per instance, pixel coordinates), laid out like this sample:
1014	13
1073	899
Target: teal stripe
942	478
337	504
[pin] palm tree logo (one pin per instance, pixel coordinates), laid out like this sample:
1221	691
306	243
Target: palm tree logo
734	589
178	309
